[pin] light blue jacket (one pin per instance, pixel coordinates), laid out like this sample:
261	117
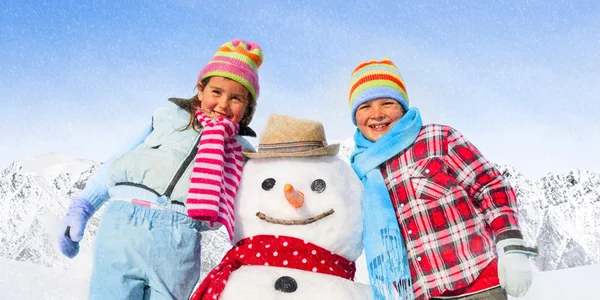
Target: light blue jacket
154	166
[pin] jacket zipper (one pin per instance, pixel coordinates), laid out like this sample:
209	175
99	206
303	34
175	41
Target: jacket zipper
182	169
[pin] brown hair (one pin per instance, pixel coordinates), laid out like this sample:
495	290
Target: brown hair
191	104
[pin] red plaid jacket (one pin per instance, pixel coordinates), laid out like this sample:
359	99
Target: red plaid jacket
450	203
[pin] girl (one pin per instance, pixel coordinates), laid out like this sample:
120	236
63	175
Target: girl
177	179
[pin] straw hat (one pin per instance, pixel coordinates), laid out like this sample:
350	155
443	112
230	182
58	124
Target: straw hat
288	136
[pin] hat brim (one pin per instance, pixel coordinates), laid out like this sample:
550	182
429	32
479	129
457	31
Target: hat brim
328	150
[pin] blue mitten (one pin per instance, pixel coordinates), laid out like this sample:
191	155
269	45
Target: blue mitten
514	269
77	217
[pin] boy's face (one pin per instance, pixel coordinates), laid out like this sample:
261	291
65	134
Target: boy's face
374	118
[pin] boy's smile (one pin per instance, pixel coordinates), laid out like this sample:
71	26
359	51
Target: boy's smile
374	118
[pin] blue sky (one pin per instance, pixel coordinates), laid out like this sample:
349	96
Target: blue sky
517	78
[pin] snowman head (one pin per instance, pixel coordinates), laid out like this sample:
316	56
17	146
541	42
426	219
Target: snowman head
295	185
317	199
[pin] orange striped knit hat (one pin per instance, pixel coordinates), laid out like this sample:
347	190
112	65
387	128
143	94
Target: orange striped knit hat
237	60
376	79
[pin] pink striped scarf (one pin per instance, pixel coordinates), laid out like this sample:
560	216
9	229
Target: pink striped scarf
216	174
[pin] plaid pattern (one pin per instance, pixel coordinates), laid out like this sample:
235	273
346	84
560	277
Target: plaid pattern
450	203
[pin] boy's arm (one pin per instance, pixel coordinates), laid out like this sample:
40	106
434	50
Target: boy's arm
493	195
487	188
96	191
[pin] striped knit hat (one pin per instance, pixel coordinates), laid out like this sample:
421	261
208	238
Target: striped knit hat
376	79
237	60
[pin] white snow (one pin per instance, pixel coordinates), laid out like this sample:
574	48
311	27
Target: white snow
572	283
19	280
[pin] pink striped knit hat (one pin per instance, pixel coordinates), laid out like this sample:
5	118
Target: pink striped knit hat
237	60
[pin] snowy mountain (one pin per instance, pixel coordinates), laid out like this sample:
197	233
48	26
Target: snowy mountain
34	195
559	213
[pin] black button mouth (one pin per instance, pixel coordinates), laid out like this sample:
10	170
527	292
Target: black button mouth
286	284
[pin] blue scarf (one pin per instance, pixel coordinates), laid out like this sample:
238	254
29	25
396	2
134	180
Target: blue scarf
387	260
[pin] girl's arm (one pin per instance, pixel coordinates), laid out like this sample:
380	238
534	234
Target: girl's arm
96	191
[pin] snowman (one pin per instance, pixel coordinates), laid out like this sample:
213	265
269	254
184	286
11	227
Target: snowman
298	221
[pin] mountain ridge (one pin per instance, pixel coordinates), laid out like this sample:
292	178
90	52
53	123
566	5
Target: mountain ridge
557	212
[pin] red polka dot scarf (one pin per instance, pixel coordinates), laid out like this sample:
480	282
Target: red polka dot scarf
277	251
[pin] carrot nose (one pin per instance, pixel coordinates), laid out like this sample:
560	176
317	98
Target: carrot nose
293	196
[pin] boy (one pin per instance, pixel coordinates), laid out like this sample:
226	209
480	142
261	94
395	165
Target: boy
449	205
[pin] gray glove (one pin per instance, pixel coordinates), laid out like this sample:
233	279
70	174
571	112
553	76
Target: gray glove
514	269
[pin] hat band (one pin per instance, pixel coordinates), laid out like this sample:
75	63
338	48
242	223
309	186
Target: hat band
291	147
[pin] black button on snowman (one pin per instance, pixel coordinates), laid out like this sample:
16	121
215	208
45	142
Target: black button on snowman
286	284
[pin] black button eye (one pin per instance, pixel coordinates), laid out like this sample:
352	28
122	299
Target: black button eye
318	185
268	184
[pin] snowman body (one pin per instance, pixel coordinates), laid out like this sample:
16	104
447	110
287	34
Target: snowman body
269	283
329	215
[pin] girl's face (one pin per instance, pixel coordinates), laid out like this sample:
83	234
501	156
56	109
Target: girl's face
223	97
374	118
